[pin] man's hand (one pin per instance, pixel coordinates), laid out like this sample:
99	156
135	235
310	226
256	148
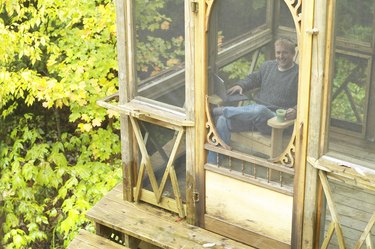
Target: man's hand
290	114
235	89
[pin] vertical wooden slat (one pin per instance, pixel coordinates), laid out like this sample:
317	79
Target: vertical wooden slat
190	19
305	44
125	42
326	47
200	91
310	235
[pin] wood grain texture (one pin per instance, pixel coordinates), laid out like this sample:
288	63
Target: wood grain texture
153	225
87	240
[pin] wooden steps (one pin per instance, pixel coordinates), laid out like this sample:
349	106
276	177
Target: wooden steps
87	240
140	222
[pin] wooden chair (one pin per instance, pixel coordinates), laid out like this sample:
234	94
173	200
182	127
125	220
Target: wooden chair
253	142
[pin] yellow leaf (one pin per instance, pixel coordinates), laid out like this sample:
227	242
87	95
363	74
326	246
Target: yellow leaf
165	25
85	127
172	62
59	103
96	122
85	117
112	113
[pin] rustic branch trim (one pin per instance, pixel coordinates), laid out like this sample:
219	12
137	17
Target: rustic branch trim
287	157
212	135
295	8
208	7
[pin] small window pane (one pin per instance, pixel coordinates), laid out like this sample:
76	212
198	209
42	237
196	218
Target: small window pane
355	19
349	93
285	16
236	17
352	103
160	50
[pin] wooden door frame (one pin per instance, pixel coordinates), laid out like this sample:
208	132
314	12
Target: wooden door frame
200	79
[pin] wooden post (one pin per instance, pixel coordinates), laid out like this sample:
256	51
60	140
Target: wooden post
305	43
190	17
319	67
200	82
125	42
320	76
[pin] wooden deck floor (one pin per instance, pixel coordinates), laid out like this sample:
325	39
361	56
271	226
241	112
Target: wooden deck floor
152	225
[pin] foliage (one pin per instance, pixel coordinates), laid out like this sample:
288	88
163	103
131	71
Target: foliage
354	23
59	151
349	89
160	36
50	185
355	19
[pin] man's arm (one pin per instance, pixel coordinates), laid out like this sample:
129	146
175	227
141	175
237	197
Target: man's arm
252	81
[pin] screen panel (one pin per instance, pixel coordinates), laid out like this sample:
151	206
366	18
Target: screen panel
159	54
351	105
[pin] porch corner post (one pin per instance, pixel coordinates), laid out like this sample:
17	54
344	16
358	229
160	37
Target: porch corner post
302	122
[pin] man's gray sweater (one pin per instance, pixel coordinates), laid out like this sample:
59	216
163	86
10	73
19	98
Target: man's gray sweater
278	89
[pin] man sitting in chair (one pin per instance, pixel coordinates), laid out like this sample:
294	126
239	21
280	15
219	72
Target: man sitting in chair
278	83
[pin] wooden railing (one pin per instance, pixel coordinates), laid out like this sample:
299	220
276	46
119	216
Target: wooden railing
351	175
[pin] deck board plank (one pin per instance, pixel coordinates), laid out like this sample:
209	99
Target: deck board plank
87	240
155	227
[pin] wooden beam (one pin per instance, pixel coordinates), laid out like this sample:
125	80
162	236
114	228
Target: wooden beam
125	43
305	22
200	90
191	185
312	186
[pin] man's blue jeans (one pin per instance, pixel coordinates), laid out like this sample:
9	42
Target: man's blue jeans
241	119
